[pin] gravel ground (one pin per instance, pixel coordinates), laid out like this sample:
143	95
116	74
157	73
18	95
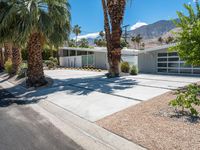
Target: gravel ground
154	125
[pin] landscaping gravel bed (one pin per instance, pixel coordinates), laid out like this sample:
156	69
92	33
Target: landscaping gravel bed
154	125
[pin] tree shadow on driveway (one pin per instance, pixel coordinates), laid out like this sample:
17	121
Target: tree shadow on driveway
85	86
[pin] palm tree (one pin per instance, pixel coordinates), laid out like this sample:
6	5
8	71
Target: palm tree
160	40
102	34
133	39
77	31
39	21
138	40
113	17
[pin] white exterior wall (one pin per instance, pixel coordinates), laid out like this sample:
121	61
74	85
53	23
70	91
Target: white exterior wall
72	61
101	61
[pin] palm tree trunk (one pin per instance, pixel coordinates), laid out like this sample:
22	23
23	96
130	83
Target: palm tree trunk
35	63
1	58
16	59
115	11
8	51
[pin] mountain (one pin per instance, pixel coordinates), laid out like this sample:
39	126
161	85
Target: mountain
154	30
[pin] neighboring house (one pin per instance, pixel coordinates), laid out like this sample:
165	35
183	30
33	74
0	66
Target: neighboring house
95	57
155	60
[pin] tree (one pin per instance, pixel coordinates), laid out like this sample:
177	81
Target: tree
84	43
123	43
8	37
138	40
39	22
133	39
102	34
160	40
113	17
77	31
188	39
169	40
72	43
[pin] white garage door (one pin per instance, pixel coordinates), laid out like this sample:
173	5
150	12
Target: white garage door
170	63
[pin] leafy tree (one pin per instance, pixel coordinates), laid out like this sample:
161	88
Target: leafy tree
72	43
102	34
169	40
38	22
138	40
160	40
188	40
84	43
123	43
8	37
113	18
76	30
133	39
100	42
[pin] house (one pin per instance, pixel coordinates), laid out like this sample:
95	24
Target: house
95	57
154	60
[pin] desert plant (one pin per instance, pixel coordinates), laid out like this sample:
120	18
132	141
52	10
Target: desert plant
51	63
8	66
134	70
125	67
187	100
22	70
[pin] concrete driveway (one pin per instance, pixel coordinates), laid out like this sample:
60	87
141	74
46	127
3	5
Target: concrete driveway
92	96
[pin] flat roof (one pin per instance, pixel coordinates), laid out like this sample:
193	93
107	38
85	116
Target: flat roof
125	51
157	48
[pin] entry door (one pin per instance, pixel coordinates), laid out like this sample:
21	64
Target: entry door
170	63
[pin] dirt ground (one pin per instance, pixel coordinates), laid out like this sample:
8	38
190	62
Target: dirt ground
154	125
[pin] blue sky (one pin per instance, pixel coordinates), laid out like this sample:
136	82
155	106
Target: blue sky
88	13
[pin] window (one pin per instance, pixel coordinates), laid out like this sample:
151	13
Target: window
173	54
173	59
162	59
65	53
162	54
172	70
186	71
173	65
162	64
80	53
162	70
72	53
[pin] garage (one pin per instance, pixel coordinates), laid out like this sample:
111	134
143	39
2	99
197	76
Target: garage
160	61
170	63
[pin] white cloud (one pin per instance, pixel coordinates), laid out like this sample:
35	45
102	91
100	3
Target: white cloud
90	35
137	25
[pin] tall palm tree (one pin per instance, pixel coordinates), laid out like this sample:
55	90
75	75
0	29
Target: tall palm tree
113	18
39	21
76	31
102	34
138	40
133	39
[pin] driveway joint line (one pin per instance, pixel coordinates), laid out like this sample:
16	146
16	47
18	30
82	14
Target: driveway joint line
105	92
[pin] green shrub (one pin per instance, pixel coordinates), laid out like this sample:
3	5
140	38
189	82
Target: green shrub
22	70
187	100
125	67
8	66
51	63
134	70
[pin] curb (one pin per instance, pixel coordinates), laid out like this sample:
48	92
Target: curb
87	134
